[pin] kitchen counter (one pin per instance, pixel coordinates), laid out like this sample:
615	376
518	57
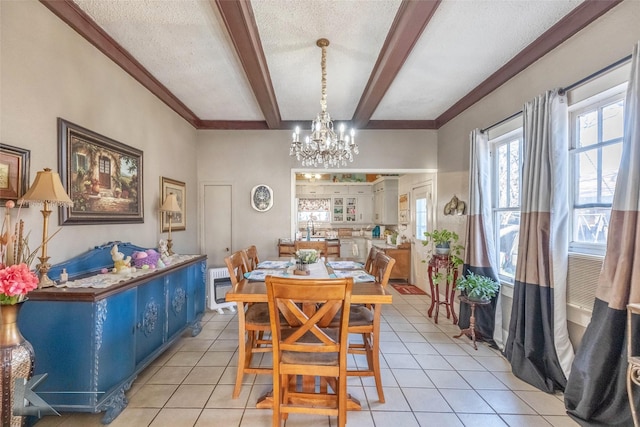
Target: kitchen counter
401	253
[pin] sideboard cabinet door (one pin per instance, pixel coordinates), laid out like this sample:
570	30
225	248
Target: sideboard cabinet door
150	318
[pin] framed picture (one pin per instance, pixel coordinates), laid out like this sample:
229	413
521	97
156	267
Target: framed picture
403	208
179	220
102	176
14	173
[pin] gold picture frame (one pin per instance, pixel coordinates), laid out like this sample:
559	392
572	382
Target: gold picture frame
14	173
179	220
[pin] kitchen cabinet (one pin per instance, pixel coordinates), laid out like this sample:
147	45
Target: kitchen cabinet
352	209
361	190
96	341
402	255
385	201
336	189
365	207
310	190
362	249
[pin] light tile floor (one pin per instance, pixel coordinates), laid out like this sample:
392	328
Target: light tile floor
429	377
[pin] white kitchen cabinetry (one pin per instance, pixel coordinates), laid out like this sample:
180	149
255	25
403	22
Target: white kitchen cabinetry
385	201
365	208
362	249
345	209
360	190
310	190
336	189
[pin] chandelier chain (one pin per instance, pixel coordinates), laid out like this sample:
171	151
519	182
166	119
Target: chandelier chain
323	64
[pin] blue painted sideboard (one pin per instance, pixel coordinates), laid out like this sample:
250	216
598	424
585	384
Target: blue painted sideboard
93	343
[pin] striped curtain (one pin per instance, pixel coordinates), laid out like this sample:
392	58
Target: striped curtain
538	345
480	246
596	393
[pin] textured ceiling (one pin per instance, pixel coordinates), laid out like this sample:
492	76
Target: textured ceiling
390	64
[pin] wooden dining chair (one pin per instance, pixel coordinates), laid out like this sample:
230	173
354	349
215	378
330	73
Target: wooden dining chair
253	322
304	344
251	257
365	320
320	246
368	265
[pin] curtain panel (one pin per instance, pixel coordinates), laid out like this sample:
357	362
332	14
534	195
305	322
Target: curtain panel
479	255
538	345
596	392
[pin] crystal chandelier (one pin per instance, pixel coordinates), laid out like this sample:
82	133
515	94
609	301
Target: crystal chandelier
324	146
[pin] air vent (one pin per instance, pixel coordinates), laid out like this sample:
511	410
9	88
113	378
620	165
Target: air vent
582	280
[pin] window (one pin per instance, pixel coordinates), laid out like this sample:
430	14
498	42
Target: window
597	129
313	211
506	155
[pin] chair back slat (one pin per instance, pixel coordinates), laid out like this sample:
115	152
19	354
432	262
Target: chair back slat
236	266
251	257
382	267
368	266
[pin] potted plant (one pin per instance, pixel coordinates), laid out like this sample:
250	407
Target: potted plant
442	240
444	243
477	287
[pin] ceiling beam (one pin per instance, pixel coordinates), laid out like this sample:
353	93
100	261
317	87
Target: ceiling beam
233	125
241	25
576	20
410	21
82	23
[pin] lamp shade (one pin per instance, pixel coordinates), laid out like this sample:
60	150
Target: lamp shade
171	204
47	187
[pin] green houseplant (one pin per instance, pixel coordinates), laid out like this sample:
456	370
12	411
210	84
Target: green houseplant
477	287
443	243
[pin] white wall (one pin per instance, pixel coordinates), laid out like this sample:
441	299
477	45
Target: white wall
248	158
605	41
49	71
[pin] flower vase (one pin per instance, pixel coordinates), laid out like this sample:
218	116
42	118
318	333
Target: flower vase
17	361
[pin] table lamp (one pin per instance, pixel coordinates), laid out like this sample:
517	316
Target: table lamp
46	189
170	206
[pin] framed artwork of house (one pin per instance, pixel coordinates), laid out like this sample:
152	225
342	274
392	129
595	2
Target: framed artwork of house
102	176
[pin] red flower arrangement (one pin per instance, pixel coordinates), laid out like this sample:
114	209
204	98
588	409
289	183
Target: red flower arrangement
16	281
16	278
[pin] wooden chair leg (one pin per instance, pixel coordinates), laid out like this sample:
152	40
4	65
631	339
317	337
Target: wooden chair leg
342	401
375	350
242	354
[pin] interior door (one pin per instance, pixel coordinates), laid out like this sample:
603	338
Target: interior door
421	221
215	228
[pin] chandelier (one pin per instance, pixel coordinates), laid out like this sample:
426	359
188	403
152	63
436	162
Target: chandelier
324	146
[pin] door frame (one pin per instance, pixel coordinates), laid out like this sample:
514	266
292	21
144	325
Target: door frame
342	170
433	180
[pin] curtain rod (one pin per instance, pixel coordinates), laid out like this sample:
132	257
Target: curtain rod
506	119
596	74
564	90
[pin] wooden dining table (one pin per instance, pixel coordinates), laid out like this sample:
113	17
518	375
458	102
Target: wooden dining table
370	293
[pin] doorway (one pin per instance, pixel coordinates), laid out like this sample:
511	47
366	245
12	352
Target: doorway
422	220
215	226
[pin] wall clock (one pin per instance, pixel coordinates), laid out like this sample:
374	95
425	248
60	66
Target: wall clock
261	198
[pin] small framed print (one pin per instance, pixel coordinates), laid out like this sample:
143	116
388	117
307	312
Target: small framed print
178	220
14	173
261	198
